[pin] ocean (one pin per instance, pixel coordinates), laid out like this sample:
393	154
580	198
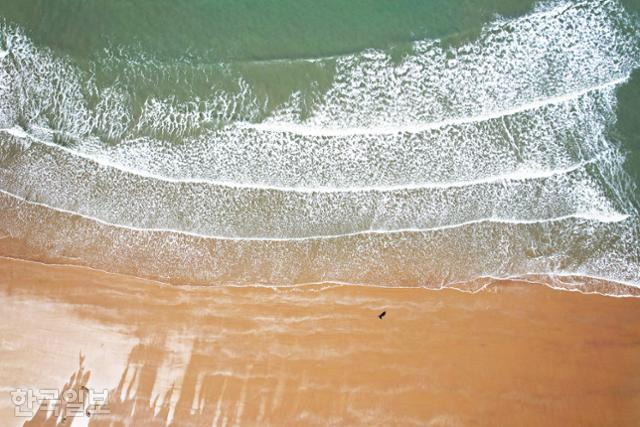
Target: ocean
282	143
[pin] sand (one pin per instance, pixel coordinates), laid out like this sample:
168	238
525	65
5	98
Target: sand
515	353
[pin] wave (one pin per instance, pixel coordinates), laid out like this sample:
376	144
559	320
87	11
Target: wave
514	62
587	216
76	184
547	139
104	161
303	129
431	259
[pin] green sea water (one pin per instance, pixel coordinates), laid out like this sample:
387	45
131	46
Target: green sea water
236	30
390	134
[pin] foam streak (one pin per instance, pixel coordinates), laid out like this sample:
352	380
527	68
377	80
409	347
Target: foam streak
302	129
587	216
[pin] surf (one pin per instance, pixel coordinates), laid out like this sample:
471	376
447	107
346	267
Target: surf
495	155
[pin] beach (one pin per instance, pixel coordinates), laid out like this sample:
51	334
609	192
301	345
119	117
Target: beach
512	353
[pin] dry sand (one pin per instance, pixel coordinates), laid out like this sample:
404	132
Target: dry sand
515	353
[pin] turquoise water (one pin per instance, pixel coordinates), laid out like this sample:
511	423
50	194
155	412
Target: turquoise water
397	143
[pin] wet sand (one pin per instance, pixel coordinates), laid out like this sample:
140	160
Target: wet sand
514	353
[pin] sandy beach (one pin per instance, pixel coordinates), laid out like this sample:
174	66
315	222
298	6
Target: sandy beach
513	353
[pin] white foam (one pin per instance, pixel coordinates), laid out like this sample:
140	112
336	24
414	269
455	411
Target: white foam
514	64
303	129
17	132
540	140
430	260
517	175
503	75
73	183
587	216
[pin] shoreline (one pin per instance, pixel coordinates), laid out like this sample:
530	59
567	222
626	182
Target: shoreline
17	249
336	284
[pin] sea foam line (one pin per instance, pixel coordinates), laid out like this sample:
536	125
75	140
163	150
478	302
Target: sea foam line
302	129
517	175
512	176
587	216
